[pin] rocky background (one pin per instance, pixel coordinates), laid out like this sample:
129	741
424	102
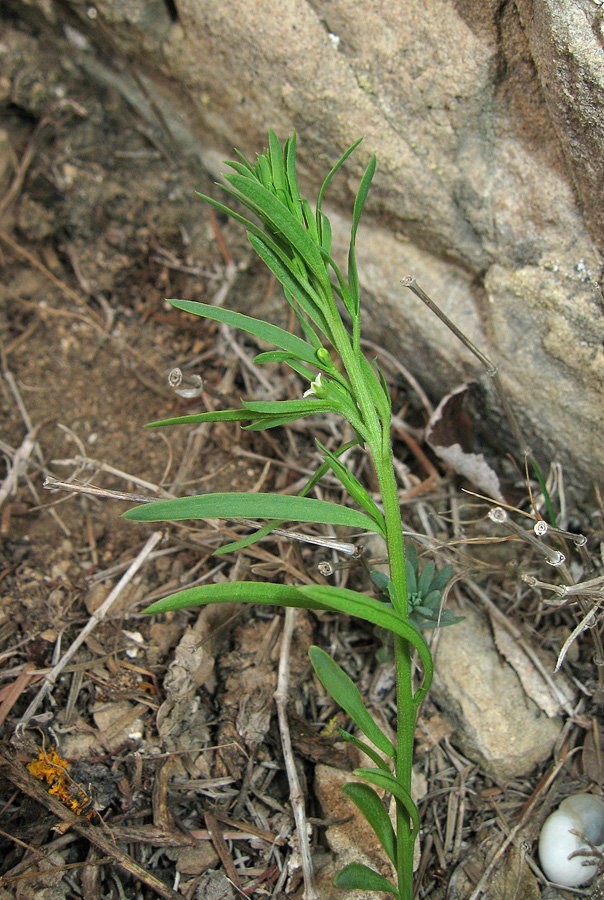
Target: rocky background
487	119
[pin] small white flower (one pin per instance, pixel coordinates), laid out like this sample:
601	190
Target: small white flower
316	388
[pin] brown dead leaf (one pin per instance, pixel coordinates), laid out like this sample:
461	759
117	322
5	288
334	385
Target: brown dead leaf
450	433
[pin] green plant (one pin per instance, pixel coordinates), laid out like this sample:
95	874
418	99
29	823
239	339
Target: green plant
424	591
295	244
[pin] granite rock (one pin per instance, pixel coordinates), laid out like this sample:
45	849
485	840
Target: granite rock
496	724
488	122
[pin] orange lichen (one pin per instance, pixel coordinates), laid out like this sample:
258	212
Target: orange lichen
50	767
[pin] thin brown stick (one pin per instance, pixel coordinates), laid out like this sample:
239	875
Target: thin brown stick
296	797
491	370
220	238
248	829
88	462
409	282
222	850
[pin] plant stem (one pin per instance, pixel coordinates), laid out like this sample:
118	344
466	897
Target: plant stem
405	838
381	451
404	682
350	358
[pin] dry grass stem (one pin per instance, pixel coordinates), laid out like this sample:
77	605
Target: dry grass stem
91	490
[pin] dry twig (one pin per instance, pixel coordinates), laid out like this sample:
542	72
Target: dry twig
296	796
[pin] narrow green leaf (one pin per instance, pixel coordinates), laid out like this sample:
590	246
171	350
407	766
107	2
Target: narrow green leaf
389	783
283	197
325	234
273	356
309	221
249	167
373	755
346	694
359	203
262	592
354	488
411	580
285	223
282	356
366	799
311	597
291	176
276	160
220	415
249	539
394	595
358	877
325	184
303	407
362	193
264	423
265	175
292	282
379	393
250	506
260	329
242	169
384	386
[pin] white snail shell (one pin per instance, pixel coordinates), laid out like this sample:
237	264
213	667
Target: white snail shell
580	812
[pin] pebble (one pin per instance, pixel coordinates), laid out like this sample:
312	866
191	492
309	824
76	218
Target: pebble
495	723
